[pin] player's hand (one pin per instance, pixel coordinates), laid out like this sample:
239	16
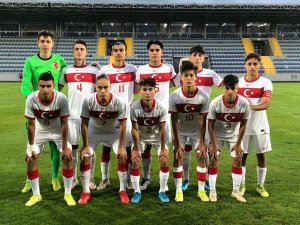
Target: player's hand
135	153
178	152
122	155
66	152
238	150
164	153
213	152
84	151
201	151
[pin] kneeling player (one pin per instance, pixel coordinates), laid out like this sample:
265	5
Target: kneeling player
103	121
47	113
227	119
188	108
148	118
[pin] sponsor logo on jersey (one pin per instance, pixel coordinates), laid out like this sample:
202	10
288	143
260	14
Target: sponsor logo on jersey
55	65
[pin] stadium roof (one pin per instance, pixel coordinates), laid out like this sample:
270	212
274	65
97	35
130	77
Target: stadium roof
155	10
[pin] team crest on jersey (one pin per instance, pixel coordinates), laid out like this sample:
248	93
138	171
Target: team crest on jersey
55	65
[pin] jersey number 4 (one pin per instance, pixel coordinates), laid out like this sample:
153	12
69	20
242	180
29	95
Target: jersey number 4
79	87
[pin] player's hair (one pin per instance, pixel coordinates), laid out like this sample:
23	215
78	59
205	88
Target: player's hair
119	43
188	65
80	42
148	81
45	33
253	55
230	80
197	49
156	42
46	76
102	76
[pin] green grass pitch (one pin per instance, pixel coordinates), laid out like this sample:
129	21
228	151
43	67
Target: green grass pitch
282	182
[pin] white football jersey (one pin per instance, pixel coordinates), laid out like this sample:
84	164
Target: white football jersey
254	91
122	80
227	119
163	74
81	83
47	117
104	118
206	78
148	121
188	109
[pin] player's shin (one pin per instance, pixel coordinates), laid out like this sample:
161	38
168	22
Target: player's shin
177	174
122	171
135	179
85	174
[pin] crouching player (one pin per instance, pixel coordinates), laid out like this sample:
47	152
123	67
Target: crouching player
103	122
148	118
47	113
227	119
188	108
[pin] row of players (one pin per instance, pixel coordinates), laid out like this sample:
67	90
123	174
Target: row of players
124	79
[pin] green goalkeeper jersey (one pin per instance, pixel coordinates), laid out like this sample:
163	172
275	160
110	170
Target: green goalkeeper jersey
34	66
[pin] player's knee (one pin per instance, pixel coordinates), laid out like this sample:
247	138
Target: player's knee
31	161
163	161
237	162
66	160
135	162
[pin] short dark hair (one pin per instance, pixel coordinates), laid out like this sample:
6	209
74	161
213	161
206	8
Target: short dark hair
188	65
156	42
148	81
230	80
80	42
197	49
102	76
46	76
253	55
119	43
45	33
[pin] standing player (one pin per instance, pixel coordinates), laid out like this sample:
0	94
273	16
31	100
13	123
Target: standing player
188	107
258	90
103	122
122	77
227	119
80	78
35	65
164	75
148	118
206	78
47	115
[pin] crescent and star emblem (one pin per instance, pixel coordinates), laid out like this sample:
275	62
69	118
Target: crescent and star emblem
147	122
228	119
247	93
44	115
100	116
156	75
77	78
119	79
188	108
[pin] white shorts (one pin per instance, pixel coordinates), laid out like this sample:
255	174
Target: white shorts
41	138
191	139
262	143
229	144
107	139
74	131
128	136
155	144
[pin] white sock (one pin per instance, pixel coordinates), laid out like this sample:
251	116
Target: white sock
201	172
75	161
146	168
123	179
135	179
186	165
85	176
93	165
236	174
243	175
35	186
68	184
213	174
261	175
105	170
163	178
177	174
